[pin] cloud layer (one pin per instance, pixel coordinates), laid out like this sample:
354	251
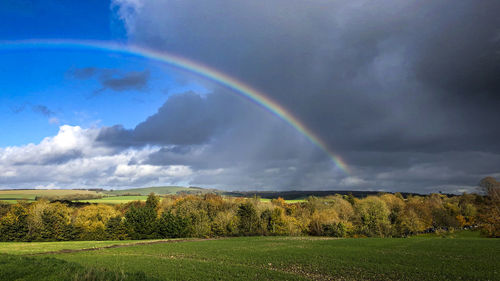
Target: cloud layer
407	92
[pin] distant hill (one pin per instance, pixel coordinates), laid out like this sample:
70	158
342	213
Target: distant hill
162	190
288	195
299	194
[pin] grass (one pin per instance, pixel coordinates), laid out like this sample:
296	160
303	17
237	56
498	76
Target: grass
464	257
26	268
285	258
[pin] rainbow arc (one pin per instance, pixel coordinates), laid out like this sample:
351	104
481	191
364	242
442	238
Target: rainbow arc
185	64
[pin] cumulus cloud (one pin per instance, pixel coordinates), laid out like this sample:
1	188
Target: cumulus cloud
73	159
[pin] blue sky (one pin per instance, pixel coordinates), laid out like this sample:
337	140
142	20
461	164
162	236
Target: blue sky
38	91
89	19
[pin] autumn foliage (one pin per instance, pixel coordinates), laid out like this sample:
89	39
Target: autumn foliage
210	215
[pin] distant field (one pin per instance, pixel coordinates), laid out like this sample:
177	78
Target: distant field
116	199
159	190
465	257
13	196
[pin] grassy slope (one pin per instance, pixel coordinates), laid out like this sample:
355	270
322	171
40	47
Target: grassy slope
289	258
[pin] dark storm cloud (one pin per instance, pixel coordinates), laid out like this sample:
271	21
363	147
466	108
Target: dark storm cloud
134	80
382	83
113	79
184	119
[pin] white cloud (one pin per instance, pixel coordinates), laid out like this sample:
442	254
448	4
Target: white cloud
73	159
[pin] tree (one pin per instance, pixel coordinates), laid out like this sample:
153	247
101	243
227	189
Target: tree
56	220
490	187
153	201
248	219
116	229
490	213
172	226
273	221
141	222
92	220
374	216
14	225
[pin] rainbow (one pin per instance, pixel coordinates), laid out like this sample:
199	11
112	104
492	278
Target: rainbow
185	64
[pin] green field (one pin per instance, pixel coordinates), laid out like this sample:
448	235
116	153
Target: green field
12	196
465	257
111	197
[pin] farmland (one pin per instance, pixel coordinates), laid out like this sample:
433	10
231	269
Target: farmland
12	196
463	256
108	196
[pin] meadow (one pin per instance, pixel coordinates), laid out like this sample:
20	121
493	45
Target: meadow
462	256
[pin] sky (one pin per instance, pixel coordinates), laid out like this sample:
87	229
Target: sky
405	93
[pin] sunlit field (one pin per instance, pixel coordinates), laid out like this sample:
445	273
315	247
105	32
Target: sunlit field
459	257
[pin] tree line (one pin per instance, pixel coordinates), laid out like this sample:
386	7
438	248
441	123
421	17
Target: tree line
211	215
